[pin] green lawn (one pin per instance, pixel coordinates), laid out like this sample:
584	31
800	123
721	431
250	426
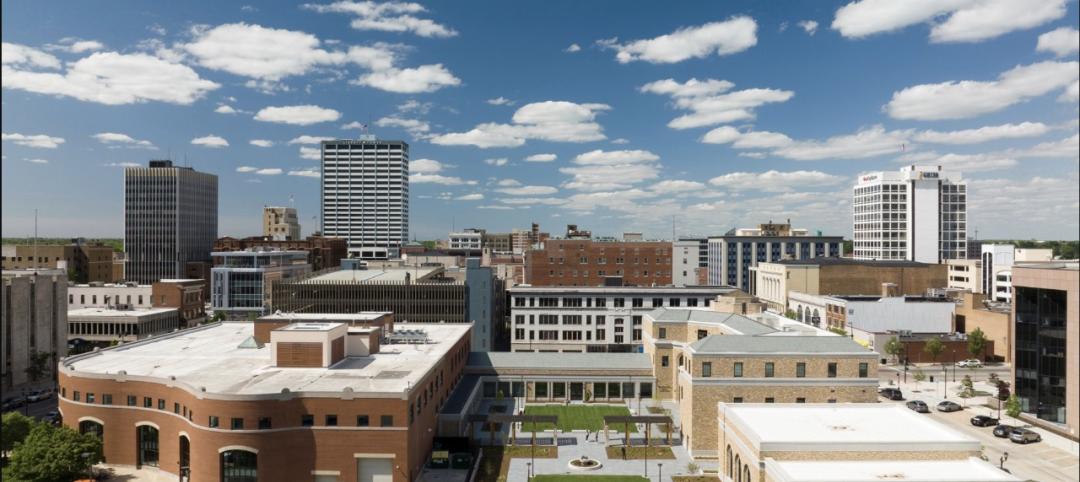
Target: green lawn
575	417
634	453
589	478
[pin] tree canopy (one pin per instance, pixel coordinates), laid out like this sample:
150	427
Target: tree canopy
54	454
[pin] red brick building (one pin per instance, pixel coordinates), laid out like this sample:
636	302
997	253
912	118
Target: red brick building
584	262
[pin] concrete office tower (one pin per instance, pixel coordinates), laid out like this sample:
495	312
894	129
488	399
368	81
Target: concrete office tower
365	195
170	220
917	214
33	311
280	224
732	255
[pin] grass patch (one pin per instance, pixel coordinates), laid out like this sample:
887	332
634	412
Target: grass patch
589	478
694	478
576	417
635	453
496	460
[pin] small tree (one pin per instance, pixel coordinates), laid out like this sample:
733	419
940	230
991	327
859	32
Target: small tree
54	454
838	330
16	427
976	345
1012	406
1003	394
894	348
967	389
38	367
918	376
934	347
218	316
790	314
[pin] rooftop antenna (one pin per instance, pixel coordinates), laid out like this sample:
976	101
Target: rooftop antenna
35	237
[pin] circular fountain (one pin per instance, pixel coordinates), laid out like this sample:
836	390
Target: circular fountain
584	463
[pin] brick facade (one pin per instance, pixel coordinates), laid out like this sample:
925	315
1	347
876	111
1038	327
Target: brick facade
583	262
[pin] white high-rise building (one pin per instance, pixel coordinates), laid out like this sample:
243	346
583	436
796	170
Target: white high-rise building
365	195
916	214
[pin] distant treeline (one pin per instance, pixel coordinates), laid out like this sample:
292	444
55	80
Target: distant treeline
1062	249
115	243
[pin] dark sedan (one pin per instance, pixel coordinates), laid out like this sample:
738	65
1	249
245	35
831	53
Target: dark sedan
948	406
984	421
918	406
1003	431
891	393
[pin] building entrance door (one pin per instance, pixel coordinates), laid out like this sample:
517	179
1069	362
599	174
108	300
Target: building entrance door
577	391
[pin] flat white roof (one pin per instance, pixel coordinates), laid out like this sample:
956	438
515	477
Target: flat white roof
109	312
210	357
310	327
361	316
969	470
842	427
389	275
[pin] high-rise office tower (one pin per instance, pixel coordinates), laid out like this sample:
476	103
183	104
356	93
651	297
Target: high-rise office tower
170	220
365	195
280	224
916	214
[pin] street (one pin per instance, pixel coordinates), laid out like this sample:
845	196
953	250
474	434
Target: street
1053	459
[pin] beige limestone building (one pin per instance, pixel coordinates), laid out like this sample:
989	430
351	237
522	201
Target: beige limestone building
841	276
280	223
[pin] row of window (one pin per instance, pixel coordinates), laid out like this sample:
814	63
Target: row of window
770	368
599	302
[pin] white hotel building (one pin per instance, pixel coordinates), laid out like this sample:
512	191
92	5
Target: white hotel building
917	214
593	319
365	195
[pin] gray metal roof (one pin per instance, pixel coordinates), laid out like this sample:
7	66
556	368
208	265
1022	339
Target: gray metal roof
736	322
720	344
560	361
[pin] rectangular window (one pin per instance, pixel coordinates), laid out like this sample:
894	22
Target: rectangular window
800	400
212	422
864	370
637	303
702	334
331	421
665	361
264	423
738	370
307	420
106	399
237	423
832	370
800	370
89	397
76	396
769	369
619	302
386	421
706	369
662	333
161	404
770	400
540	390
558	390
362	421
148	402
736	400
176	407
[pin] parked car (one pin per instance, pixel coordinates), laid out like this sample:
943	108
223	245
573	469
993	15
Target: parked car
1001	431
1024	436
949	406
891	393
52	417
969	363
39	395
918	406
985	421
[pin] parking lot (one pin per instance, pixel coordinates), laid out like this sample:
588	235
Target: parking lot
1053	459
38	409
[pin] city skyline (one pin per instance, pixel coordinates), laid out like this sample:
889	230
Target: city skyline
718	116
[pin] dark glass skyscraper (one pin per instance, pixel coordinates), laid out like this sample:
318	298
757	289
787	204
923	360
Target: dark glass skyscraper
170	219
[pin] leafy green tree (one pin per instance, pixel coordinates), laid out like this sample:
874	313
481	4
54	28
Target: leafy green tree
894	348
54	454
838	331
790	314
1012	406
976	345
218	316
918	376
38	367
967	387
16	427
934	347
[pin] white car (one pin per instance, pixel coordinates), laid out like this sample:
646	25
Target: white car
970	363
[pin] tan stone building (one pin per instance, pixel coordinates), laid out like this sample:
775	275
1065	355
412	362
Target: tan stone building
844	443
584	262
320	401
975	311
1046	340
280	223
84	262
702	357
842	276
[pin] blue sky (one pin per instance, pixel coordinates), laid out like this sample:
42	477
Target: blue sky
714	114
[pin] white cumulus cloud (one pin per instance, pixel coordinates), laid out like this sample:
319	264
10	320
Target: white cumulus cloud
721	38
261	143
118	139
809	26
601	170
210	141
555	121
301	115
40	141
422	79
775	181
952	20
541	158
709	101
983	134
1062	41
390	16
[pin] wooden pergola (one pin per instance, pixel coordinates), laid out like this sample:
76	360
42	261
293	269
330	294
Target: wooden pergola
627	420
513	420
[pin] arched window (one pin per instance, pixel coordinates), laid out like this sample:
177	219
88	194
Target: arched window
800	318
817	318
185	453
239	466
746	473
738	474
148	445
681	361
93	428
730	471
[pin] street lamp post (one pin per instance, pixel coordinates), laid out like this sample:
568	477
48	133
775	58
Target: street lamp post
660	472
945	380
1002	460
528	471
